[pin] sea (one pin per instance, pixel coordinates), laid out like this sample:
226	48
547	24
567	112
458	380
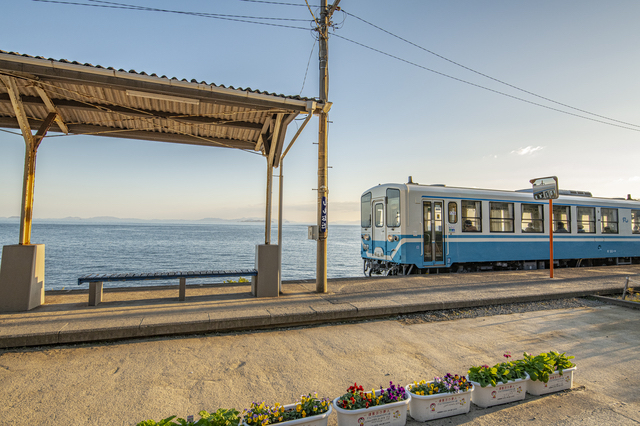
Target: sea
76	249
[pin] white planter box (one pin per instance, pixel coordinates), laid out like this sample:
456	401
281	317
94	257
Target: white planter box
317	420
394	414
556	383
430	407
500	394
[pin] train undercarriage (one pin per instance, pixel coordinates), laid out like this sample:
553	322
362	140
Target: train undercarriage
382	267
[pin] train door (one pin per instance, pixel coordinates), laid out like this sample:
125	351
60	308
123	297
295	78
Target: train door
379	228
433	232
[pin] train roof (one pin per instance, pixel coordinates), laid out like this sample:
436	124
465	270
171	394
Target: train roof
580	197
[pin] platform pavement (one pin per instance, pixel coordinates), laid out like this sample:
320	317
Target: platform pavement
66	317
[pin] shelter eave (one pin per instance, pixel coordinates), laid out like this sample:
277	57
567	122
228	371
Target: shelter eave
87	129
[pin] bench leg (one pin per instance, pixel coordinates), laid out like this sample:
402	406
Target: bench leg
183	289
95	293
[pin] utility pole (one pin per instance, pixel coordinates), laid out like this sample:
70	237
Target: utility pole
323	191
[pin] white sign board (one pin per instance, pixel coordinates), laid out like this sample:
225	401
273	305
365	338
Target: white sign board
545	188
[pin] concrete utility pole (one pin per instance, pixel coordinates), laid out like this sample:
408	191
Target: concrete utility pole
323	190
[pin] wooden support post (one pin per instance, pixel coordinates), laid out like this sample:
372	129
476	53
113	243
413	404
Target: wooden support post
31	147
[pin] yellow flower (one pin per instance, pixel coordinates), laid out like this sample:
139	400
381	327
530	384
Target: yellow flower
298	408
304	414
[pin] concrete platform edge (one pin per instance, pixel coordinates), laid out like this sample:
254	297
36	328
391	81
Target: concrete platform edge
342	312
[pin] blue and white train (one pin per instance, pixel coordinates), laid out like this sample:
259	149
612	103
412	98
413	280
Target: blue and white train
410	228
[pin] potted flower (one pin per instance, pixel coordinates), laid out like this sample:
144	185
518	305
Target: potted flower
222	417
443	397
379	407
557	375
504	382
308	411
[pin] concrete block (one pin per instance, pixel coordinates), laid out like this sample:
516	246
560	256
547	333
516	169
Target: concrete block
21	277
267	283
95	293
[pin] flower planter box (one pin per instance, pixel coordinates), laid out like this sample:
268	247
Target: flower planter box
430	407
315	420
500	394
393	414
556	383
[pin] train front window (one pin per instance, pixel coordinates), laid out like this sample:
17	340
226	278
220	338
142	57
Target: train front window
561	219
586	220
532	218
365	210
635	221
501	216
379	212
393	208
471	213
609	220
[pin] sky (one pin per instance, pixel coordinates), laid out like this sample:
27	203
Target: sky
398	110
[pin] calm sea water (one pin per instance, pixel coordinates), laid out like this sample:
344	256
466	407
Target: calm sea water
76	249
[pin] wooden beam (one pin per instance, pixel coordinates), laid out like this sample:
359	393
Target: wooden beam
137	112
51	108
88	129
274	139
44	128
18	108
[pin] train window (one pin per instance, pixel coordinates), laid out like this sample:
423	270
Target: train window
453	212
609	220
586	220
561	219
501	216
379	211
532	218
471	212
635	221
365	210
393	208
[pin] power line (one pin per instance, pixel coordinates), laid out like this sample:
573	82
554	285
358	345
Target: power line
485	75
235	18
482	87
276	3
308	62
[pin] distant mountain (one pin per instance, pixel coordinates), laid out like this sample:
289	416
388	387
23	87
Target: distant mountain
112	219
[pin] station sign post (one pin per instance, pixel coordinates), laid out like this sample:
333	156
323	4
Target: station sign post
546	188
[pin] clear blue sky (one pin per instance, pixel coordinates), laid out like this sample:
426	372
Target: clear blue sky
390	119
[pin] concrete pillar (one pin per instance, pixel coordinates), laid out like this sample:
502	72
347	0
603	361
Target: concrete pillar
21	277
267	283
95	293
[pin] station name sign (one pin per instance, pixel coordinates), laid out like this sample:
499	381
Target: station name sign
545	188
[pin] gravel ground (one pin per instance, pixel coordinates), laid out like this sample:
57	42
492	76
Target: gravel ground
491	310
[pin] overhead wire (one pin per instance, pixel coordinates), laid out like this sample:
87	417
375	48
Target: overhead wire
233	18
308	63
241	18
480	86
485	75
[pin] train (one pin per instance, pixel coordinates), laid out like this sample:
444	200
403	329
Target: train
414	228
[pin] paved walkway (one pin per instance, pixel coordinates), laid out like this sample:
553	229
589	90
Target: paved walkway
145	312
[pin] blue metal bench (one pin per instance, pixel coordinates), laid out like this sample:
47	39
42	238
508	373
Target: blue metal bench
96	280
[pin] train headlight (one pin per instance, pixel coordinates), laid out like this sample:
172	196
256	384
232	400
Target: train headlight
365	237
392	238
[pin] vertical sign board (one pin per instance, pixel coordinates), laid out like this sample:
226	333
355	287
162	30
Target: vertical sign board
546	188
323	218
